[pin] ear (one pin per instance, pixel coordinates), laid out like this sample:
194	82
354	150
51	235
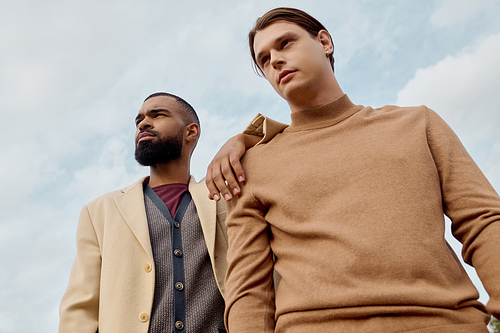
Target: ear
192	132
326	41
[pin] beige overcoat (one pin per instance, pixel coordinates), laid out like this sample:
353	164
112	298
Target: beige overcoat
112	279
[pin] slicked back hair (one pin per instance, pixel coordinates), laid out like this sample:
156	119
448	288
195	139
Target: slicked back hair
292	15
189	112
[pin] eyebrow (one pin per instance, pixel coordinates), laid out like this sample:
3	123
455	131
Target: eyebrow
152	111
278	40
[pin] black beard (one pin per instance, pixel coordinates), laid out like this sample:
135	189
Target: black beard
163	150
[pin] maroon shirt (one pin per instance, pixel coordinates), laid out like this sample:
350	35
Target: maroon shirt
171	194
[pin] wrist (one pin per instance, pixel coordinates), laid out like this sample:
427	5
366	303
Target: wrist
249	140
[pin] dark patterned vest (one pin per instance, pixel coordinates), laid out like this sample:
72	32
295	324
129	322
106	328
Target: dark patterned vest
186	296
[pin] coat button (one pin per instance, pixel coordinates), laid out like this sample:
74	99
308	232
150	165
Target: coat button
176	224
179	286
179	325
178	253
148	267
143	317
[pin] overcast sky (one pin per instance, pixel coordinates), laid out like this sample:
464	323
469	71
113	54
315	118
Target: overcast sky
73	75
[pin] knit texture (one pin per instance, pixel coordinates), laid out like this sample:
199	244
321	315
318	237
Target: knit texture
162	314
351	202
204	305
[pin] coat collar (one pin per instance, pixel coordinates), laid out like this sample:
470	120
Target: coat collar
130	203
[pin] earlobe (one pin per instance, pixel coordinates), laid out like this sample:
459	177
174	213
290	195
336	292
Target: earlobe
325	40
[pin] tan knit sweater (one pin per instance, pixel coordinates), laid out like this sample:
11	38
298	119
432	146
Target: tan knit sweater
351	201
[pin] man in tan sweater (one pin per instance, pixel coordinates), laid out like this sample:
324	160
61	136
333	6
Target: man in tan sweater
347	204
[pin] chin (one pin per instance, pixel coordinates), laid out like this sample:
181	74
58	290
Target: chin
291	92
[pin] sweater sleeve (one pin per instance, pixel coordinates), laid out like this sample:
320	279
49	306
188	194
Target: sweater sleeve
472	205
79	309
249	280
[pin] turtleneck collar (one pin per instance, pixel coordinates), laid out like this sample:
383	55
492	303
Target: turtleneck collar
324	115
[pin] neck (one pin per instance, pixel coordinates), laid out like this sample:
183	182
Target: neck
169	173
328	92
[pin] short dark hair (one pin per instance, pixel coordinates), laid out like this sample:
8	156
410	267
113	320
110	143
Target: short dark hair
189	112
293	15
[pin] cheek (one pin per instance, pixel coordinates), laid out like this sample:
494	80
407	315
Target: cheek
278	91
274	85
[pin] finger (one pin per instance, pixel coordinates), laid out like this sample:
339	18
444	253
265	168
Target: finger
237	168
213	192
219	178
230	178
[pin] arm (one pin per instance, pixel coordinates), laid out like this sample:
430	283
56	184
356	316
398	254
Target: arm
249	280
79	309
226	167
472	205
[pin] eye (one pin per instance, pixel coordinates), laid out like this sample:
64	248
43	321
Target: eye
285	43
264	60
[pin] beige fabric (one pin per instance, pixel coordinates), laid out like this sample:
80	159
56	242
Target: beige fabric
111	284
351	201
265	127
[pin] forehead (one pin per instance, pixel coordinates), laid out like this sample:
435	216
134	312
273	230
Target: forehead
274	31
161	102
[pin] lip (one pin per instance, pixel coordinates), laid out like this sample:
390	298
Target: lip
284	75
144	136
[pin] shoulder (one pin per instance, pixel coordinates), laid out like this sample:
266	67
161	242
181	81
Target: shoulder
258	158
394	115
400	111
134	190
199	193
420	113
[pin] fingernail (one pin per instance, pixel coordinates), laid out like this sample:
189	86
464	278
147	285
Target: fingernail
216	197
236	190
227	197
241	178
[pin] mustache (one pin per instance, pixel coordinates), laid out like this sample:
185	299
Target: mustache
149	131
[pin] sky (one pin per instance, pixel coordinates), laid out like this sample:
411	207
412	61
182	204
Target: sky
73	75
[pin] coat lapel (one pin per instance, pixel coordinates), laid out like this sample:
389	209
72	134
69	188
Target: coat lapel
207	212
131	205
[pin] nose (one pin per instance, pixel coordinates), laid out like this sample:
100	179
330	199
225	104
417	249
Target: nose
277	59
145	123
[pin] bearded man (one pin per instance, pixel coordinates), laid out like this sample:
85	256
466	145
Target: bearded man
152	257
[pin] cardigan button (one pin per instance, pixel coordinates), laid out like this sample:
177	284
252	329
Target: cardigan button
179	325
179	286
143	317
176	224
148	268
177	253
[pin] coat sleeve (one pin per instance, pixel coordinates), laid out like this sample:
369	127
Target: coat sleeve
265	127
250	294
79	309
472	205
